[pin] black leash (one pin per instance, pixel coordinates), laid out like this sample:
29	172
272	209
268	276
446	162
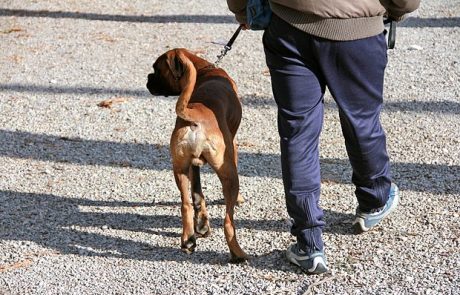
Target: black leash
228	47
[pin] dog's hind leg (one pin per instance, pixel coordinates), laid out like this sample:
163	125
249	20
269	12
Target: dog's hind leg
230	185
240	199
201	220
188	238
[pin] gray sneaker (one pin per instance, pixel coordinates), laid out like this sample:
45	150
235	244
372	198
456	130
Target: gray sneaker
367	220
312	264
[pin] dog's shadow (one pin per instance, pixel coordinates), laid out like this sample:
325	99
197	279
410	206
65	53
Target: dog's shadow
66	226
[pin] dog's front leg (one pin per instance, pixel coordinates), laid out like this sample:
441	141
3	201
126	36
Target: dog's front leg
201	219
188	239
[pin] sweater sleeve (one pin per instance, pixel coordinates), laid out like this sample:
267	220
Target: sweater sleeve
238	7
396	9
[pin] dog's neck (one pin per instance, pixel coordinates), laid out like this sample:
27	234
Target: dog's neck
205	68
200	63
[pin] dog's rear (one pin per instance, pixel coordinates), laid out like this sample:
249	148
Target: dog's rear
208	116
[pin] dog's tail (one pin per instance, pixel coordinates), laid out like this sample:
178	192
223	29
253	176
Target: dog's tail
187	82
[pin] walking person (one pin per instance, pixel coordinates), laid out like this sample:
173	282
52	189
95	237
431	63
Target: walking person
311	45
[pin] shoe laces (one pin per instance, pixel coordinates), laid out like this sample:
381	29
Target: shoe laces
372	211
377	210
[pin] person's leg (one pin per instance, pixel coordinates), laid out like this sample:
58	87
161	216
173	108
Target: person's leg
298	91
355	79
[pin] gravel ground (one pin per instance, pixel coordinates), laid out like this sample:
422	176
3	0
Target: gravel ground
88	200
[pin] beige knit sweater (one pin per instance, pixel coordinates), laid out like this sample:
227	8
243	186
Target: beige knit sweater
335	20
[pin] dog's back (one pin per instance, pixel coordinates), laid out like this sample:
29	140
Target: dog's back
217	109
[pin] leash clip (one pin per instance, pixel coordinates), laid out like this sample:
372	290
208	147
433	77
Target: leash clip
227	47
223	53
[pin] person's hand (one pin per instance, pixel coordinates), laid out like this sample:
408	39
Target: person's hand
245	26
392	17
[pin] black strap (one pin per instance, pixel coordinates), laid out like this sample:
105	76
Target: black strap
391	32
230	42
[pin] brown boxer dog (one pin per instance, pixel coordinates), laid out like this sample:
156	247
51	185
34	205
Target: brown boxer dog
208	115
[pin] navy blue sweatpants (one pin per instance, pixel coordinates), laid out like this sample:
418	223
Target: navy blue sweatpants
301	67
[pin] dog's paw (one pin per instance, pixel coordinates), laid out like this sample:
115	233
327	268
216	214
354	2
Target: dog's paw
203	232
202	228
238	259
189	245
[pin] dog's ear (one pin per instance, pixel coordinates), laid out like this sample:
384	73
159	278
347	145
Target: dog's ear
176	63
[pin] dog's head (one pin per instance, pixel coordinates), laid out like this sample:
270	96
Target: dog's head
168	70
